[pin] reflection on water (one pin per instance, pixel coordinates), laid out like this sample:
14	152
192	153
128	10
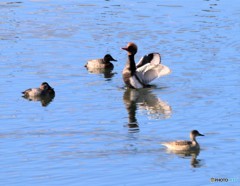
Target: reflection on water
9	4
144	99
45	100
106	72
195	163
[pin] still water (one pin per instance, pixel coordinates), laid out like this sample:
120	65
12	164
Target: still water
95	131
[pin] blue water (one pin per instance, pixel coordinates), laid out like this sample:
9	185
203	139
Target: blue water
96	132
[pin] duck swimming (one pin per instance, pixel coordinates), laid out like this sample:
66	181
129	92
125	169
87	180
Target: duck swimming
185	145
43	90
147	69
103	63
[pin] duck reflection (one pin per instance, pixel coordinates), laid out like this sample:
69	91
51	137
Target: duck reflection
45	100
144	99
107	73
195	163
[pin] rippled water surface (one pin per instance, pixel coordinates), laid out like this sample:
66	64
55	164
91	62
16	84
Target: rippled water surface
95	131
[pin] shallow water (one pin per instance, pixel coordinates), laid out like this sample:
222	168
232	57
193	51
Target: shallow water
96	132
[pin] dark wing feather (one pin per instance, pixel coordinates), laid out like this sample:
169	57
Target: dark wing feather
153	58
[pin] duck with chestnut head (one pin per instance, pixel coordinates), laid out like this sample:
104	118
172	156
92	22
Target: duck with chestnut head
146	70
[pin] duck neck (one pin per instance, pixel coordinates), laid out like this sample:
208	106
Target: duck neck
105	61
193	139
131	64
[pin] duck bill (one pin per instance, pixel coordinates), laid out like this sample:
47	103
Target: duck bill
200	134
125	48
112	59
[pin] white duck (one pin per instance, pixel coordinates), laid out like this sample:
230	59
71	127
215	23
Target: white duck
148	68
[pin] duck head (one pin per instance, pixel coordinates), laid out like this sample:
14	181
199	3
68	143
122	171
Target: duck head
45	86
131	48
194	134
108	58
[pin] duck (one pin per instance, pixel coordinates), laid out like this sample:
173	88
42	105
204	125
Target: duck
182	145
103	63
146	70
44	90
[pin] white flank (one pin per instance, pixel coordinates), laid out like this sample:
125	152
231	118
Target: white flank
135	83
34	92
